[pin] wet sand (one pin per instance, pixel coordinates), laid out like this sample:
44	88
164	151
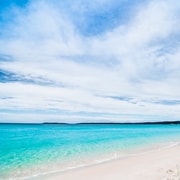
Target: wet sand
161	163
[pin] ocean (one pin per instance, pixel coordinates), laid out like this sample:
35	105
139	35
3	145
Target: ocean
31	150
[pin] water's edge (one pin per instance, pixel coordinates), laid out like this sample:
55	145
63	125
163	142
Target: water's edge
131	153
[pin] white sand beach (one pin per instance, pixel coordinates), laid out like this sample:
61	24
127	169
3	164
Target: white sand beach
159	164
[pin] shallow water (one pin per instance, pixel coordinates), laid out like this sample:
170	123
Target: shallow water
29	150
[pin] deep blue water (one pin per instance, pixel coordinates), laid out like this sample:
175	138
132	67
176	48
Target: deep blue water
27	150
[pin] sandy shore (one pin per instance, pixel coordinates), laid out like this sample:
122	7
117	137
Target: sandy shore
158	164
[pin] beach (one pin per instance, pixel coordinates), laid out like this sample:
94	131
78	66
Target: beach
88	151
90	90
162	163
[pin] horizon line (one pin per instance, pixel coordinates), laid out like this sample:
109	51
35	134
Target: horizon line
97	123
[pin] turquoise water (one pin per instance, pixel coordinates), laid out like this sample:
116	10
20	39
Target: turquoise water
29	150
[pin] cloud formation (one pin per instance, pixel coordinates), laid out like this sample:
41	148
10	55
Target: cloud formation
91	61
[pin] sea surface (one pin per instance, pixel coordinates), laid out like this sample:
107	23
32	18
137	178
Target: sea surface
28	151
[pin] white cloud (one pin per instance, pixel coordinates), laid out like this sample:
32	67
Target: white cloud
45	45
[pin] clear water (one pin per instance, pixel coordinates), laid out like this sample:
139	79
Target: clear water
28	150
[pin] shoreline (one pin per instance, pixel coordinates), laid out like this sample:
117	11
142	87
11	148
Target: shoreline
108	169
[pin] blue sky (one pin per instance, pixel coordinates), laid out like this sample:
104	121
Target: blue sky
9	3
89	61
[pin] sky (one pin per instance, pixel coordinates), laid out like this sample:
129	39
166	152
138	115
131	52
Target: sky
89	61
